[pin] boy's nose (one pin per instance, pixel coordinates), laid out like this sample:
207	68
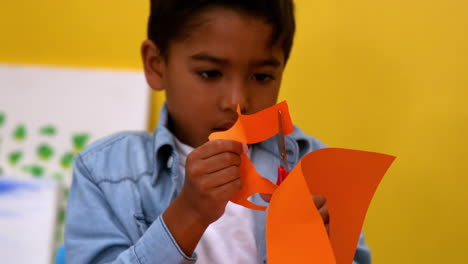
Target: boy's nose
236	94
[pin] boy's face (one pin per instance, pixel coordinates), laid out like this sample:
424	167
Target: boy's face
225	61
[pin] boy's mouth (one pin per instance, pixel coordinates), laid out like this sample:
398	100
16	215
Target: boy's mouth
224	126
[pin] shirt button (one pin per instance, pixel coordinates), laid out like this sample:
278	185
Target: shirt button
170	162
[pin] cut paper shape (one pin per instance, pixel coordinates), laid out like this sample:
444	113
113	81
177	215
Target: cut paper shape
294	229
252	183
251	129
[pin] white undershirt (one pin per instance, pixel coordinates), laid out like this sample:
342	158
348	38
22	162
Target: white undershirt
230	239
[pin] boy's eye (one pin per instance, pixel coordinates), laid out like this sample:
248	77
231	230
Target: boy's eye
262	77
210	74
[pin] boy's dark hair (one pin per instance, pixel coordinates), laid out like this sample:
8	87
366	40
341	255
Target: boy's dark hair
170	19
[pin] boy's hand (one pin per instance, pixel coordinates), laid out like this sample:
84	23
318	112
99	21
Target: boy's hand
321	203
212	177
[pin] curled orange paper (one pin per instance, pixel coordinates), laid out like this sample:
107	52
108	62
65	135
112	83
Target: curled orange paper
348	180
251	129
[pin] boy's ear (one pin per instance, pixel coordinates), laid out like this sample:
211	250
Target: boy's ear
153	64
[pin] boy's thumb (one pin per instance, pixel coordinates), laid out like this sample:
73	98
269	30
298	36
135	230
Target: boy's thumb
245	148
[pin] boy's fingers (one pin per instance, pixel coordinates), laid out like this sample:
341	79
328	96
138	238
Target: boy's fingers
227	190
221	161
319	200
212	148
221	177
321	204
324	213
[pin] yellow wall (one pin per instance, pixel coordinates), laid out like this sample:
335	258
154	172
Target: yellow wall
392	76
386	76
73	32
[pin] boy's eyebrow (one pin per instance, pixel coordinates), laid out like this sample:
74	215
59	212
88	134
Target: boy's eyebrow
207	57
273	62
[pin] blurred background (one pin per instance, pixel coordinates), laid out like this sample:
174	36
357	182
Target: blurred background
384	76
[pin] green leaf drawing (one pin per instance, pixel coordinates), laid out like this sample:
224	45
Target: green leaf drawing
2	118
14	157
67	160
48	130
1	172
45	151
61	216
58	176
20	133
79	141
35	170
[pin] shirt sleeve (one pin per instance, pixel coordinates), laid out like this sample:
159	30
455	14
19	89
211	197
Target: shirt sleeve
93	234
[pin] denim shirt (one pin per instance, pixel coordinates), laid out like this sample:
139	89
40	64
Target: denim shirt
122	184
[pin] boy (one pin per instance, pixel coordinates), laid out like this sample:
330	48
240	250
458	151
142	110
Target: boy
164	198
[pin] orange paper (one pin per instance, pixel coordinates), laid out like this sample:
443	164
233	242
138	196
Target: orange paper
348	180
294	231
251	129
252	183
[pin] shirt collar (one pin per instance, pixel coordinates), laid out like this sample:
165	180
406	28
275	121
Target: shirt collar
163	142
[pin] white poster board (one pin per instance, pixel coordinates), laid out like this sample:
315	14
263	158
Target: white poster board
47	115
